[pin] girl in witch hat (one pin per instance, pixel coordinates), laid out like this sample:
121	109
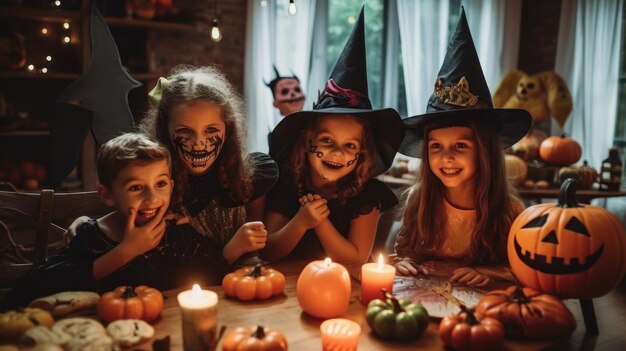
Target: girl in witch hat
462	206
326	204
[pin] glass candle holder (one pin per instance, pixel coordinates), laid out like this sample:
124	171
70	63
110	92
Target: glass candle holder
340	334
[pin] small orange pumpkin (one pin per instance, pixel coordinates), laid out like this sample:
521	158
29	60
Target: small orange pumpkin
254	282
585	175
527	313
254	339
560	151
469	331
125	302
566	249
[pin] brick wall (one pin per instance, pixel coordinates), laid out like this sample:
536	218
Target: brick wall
538	35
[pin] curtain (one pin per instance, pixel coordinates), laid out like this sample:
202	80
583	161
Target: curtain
273	37
588	54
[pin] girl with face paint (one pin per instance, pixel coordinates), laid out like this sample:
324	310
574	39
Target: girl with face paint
220	189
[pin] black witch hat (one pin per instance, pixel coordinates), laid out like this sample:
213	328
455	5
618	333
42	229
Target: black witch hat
345	93
461	94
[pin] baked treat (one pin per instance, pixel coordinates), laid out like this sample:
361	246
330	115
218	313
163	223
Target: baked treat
14	323
67	302
78	326
42	335
130	332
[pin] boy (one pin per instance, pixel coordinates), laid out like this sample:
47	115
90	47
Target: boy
116	249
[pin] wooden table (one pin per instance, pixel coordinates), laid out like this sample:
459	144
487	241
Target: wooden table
302	331
583	195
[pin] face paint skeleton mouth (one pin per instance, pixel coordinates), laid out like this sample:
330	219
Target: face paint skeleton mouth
198	158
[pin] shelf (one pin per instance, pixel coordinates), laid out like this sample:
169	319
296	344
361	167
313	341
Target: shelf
25	133
28	75
48	15
170	26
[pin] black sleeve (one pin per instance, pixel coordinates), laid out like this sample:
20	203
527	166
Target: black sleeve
265	174
283	199
71	269
375	194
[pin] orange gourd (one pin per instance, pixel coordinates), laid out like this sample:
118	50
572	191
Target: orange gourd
527	313
323	289
560	150
254	282
125	302
469	331
566	249
585	175
255	338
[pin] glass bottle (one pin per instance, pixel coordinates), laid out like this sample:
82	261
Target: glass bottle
611	171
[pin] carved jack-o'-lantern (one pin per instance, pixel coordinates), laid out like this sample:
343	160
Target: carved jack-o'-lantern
567	249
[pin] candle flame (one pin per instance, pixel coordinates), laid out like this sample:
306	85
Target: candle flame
196	291
381	262
328	261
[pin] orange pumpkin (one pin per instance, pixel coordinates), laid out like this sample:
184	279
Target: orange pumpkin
516	169
566	249
254	282
527	313
584	175
255	338
469	331
127	303
560	151
323	289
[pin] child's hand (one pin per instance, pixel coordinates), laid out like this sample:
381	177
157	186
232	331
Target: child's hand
250	237
139	240
407	268
470	277
178	219
308	198
312	213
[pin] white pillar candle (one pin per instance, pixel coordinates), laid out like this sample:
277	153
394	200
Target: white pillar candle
199	317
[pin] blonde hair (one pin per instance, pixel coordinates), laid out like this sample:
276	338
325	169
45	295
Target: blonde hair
188	84
127	149
297	169
497	204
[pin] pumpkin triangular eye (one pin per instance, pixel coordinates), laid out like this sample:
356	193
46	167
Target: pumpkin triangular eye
537	222
577	226
551	238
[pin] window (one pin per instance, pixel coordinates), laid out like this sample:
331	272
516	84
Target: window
620	124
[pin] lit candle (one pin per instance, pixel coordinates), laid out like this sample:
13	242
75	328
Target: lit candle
375	276
323	289
340	334
199	316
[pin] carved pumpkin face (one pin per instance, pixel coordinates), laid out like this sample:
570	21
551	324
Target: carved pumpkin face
568	250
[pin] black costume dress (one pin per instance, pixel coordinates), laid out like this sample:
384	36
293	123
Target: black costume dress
186	254
284	197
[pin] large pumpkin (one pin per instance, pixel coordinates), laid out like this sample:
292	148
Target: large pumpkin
560	150
566	249
527	313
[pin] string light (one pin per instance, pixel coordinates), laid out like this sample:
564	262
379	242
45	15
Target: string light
31	67
66	40
57	3
44	31
263	3
66	25
44	70
216	34
292	8
48	58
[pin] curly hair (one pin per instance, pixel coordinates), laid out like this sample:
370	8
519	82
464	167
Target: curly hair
497	204
297	171
186	85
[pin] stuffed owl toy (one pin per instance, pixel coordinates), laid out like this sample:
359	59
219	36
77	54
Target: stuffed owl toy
542	94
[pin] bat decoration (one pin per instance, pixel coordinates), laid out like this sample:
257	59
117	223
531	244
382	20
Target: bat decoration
100	97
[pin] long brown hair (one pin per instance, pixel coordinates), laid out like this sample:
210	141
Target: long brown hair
497	204
188	84
297	171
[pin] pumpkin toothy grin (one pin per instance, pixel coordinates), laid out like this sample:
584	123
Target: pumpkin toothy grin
557	264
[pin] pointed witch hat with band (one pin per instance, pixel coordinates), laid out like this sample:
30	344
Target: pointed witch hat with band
461	94
345	93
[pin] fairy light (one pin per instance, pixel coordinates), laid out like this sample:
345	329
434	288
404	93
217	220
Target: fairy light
216	34
66	25
57	3
44	70
31	67
48	58
263	3
44	31
66	40
292	8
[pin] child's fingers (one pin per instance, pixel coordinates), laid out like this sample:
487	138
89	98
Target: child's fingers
310	197
256	225
182	220
159	218
479	278
422	270
317	196
458	274
132	215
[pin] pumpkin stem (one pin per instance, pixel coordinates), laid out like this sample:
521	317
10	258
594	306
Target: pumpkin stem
567	194
128	293
563	135
259	333
256	272
471	318
518	295
397	308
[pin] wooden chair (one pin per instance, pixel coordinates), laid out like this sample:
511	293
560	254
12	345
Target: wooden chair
21	249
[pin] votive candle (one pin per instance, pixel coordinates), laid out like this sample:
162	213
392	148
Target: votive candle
340	334
374	277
